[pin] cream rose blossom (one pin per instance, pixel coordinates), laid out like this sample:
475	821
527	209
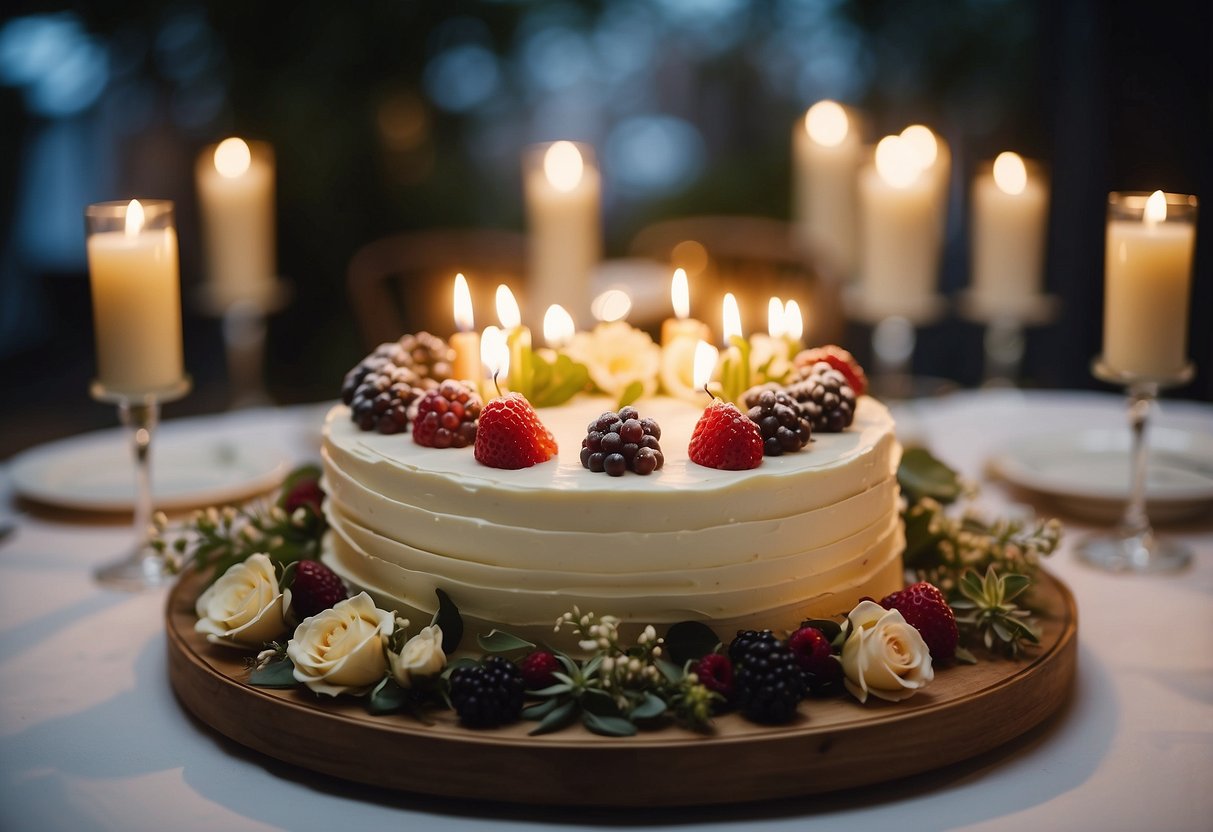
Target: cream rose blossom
244	607
420	658
341	650
883	655
617	354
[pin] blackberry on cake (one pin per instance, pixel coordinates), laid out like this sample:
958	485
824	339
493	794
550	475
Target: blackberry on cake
488	694
784	429
768	682
838	358
447	417
382	387
825	398
620	442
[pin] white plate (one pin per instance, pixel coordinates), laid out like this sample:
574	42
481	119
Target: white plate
95	471
1087	471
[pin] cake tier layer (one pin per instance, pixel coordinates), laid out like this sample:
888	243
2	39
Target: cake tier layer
561	495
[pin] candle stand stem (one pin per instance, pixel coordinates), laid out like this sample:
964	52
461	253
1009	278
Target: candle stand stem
244	342
1003	345
1133	546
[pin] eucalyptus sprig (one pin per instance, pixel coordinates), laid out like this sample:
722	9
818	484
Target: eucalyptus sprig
288	528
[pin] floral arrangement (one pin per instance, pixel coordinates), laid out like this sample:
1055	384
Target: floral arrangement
270	596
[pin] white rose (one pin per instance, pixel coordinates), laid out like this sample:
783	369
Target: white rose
616	354
244	607
884	655
341	650
420	658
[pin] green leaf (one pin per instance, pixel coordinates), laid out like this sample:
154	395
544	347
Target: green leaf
650	708
922	547
598	701
561	717
690	641
386	698
448	618
672	672
499	641
922	475
274	675
542	709
608	726
564	379
1014	585
630	394
554	690
964	656
288	576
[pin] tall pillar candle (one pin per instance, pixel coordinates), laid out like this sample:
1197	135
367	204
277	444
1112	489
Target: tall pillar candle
1010	209
900	242
136	289
827	149
563	203
235	182
1147	279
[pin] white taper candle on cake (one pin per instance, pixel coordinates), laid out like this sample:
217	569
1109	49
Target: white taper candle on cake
465	341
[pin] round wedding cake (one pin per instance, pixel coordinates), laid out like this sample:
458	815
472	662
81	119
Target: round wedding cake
804	534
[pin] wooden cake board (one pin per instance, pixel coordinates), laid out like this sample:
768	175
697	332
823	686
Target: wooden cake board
834	744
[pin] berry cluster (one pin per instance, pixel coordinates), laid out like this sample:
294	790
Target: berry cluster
825	398
383	388
488	694
840	360
447	417
621	442
784	429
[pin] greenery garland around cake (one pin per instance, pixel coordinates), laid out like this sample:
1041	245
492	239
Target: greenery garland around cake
970	591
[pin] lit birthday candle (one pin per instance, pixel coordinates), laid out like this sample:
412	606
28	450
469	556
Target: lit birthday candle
494	359
465	341
682	325
517	338
735	370
558	327
793	326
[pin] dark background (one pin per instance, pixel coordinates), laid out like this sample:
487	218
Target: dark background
393	116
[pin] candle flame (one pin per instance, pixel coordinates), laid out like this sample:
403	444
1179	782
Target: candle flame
730	318
680	294
922	143
1010	173
494	352
1156	209
134	218
464	320
826	123
896	162
507	308
776	327
793	322
611	305
705	363
232	158
557	326
563	165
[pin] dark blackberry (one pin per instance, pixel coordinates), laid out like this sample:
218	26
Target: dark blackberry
382	356
488	694
383	401
767	680
428	356
825	398
779	420
620	442
447	417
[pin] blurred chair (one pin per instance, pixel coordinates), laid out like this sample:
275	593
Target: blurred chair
403	283
752	257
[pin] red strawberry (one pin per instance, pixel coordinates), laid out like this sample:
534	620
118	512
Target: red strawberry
537	669
510	435
726	438
840	360
815	656
923	606
315	589
715	673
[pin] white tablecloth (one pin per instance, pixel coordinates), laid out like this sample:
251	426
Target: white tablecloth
91	736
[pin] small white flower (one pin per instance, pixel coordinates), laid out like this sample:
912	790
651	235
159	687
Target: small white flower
617	354
420	658
299	516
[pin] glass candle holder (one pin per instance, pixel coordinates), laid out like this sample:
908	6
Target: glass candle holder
1148	273
133	274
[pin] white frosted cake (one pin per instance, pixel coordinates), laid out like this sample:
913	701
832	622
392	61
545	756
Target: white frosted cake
803	534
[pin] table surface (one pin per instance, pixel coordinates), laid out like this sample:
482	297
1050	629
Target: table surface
91	736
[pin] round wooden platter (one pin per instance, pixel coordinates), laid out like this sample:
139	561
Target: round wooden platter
834	744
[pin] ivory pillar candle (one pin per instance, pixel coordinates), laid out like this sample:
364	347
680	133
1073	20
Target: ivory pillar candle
1148	275
1010	208
827	149
235	182
466	341
901	231
136	289
563	203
